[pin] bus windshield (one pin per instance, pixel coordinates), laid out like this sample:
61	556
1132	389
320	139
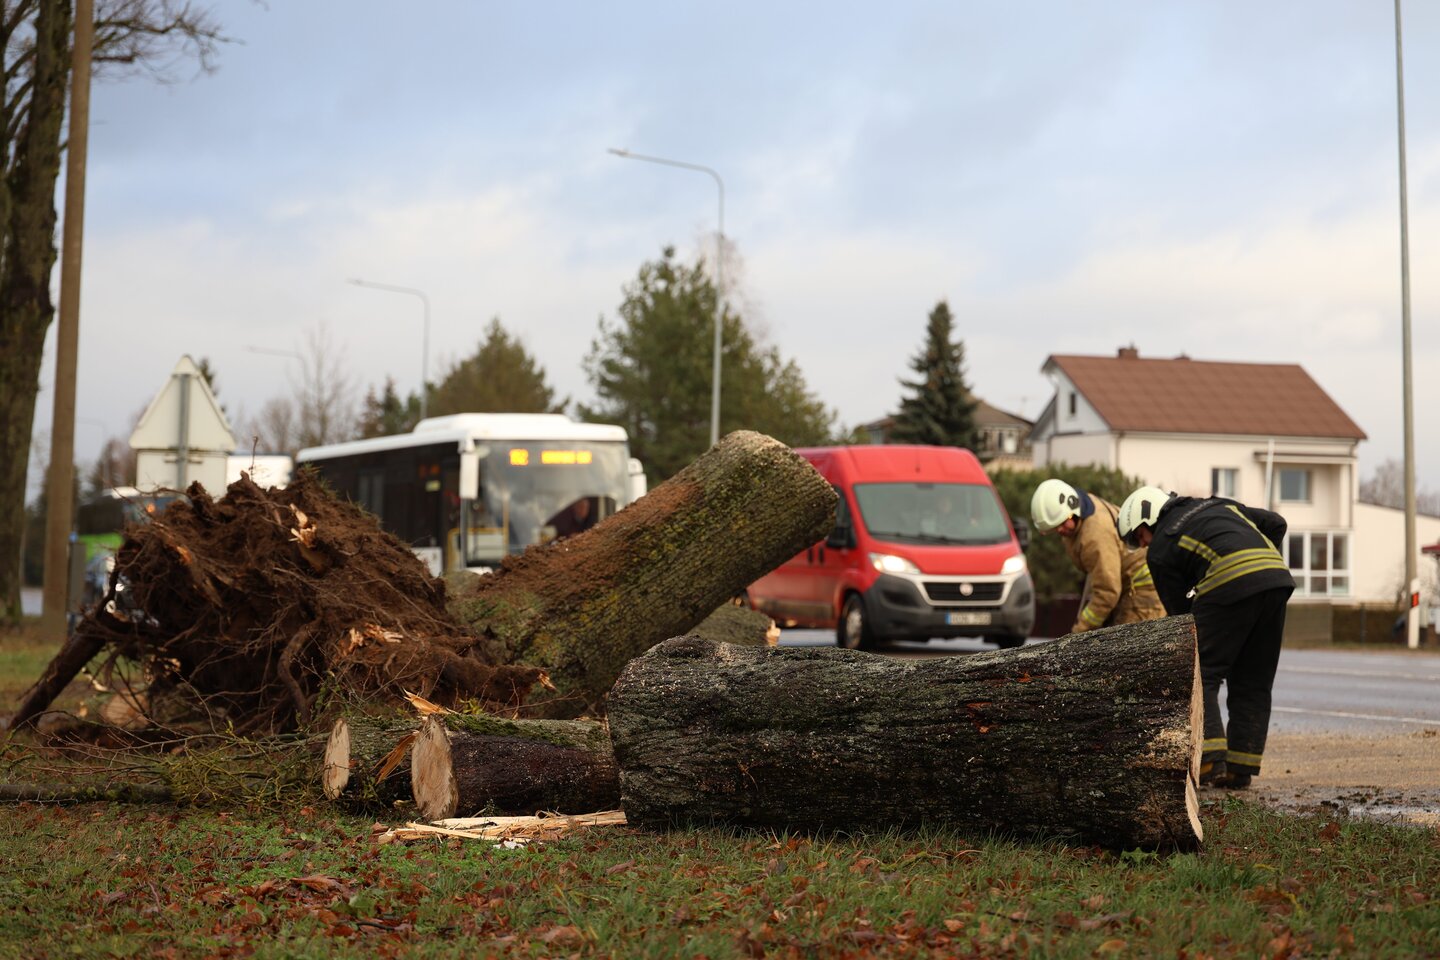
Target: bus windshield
537	491
960	513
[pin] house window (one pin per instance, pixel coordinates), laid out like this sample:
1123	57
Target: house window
1320	563
1295	486
1222	482
1072	403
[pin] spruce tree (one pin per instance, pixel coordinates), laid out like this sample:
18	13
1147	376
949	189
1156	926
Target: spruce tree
940	409
651	371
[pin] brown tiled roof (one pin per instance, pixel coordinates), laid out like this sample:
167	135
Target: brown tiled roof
1201	396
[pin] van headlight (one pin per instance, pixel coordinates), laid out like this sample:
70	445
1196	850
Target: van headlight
889	563
1015	564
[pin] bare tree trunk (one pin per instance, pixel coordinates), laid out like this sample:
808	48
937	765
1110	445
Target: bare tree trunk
583	607
1095	736
27	255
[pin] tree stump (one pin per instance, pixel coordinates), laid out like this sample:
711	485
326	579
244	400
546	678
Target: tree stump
581	608
463	765
1095	737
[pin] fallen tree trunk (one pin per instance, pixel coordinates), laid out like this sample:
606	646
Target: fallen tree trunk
464	765
583	607
1095	736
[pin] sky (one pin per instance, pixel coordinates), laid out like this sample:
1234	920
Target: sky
1218	179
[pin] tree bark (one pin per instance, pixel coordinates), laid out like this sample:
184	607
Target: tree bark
582	608
463	765
1095	736
27	254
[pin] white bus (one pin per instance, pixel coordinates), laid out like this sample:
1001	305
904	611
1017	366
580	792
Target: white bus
469	489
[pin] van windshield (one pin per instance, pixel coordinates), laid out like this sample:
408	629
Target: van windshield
967	513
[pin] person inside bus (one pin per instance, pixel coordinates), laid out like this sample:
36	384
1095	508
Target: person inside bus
576	518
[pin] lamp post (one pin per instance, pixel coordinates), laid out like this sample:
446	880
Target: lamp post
425	357
719	277
1412	583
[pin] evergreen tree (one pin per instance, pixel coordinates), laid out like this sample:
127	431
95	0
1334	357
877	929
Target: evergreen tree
940	409
651	370
500	377
387	415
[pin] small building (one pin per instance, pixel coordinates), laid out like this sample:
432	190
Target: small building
1262	433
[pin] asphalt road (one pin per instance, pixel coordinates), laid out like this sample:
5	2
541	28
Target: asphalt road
1359	692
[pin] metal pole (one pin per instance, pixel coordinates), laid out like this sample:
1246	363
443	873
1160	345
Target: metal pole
59	511
1412	615
425	345
719	279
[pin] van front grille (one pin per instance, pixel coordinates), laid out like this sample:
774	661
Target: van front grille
954	591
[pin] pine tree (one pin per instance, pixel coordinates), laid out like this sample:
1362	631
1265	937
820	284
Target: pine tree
652	368
386	415
940	409
499	377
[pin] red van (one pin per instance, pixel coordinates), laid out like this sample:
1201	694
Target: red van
922	548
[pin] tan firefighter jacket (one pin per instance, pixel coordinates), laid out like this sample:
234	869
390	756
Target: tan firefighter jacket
1118	588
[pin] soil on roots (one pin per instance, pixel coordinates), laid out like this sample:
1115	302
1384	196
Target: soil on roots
266	601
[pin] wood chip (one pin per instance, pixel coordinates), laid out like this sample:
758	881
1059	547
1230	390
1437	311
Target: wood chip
507	831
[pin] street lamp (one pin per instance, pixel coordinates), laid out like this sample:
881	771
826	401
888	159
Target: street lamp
719	277
425	357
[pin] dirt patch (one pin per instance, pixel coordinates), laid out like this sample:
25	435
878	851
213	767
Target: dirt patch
1392	778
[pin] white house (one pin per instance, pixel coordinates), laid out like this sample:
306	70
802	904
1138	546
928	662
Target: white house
1262	433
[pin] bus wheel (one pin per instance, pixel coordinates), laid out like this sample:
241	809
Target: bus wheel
853	631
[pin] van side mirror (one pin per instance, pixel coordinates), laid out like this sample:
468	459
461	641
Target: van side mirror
841	538
1022	532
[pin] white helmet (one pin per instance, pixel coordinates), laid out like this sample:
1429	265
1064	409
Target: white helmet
1140	509
1054	502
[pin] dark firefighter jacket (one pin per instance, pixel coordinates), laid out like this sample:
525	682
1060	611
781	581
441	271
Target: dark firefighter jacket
1215	550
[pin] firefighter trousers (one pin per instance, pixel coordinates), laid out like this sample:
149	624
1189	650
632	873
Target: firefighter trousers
1239	647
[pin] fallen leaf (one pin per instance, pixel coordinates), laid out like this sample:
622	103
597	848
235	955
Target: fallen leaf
1111	946
563	935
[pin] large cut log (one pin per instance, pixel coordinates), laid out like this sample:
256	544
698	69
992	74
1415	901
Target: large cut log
581	608
1095	736
367	759
464	765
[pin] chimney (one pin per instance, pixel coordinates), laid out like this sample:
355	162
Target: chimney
1128	353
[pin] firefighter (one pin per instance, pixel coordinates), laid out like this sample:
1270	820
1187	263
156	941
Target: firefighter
1118	588
1220	560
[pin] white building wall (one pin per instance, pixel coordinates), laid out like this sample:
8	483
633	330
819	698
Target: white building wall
1379	553
1076	449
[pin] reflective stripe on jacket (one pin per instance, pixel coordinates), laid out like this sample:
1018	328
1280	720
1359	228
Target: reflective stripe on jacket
1217	548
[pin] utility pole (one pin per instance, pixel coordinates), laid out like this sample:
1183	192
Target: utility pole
1412	581
59	510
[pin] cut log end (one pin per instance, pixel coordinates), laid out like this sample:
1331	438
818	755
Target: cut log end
432	772
336	772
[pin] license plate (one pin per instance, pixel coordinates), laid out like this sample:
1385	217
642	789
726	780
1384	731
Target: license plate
968	618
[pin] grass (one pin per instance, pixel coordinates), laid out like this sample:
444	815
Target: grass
113	881
107	880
